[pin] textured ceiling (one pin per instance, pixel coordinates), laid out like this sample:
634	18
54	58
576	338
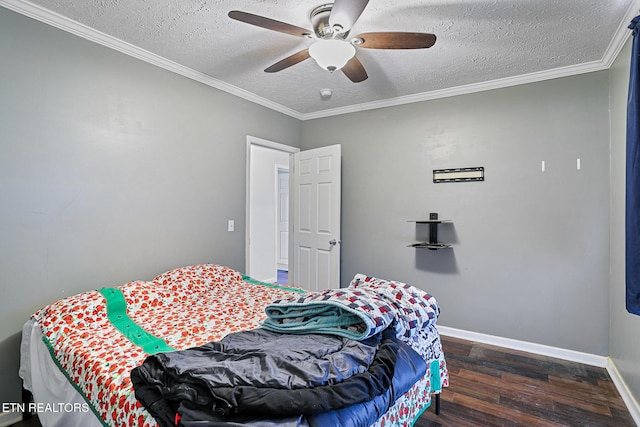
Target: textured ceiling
479	41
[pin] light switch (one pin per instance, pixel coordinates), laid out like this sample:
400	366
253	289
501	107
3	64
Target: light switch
231	225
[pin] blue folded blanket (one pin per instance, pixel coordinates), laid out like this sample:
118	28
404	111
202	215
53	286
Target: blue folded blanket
326	317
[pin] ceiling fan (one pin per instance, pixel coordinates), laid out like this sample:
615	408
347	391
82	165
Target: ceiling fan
333	48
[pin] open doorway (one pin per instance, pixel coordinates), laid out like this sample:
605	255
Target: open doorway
282	224
267	210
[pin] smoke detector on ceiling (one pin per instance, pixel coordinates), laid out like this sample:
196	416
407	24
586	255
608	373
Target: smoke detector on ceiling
326	93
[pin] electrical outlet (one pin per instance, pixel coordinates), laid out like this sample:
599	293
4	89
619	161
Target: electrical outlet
231	225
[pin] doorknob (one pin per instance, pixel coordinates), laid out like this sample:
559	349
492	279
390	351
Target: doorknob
334	242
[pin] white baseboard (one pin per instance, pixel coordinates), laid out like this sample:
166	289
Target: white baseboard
544	350
9	418
560	353
623	389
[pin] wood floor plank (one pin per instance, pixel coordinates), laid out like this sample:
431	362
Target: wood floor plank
590	394
493	386
449	418
504	412
550	399
570	388
473	388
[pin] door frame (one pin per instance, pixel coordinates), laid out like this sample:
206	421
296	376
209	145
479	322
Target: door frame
252	140
282	169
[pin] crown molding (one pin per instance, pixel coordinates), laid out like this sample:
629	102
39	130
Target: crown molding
555	73
621	35
59	21
63	23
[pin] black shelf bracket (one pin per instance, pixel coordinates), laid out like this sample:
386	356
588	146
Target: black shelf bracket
433	228
432	243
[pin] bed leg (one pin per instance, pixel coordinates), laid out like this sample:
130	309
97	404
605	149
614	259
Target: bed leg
438	404
27	397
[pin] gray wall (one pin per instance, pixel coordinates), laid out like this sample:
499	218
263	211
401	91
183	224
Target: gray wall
111	170
624	345
530	259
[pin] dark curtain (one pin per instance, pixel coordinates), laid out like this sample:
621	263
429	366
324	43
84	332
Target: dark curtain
632	214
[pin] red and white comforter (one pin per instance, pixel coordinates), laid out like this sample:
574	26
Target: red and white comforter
185	307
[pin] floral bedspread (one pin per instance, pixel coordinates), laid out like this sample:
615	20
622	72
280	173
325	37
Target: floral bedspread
183	308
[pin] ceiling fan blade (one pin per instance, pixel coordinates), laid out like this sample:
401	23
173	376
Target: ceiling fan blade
355	70
345	13
269	24
288	61
396	40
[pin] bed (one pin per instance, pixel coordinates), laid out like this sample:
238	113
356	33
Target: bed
77	354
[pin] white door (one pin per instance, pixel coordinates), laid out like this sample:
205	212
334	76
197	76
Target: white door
315	255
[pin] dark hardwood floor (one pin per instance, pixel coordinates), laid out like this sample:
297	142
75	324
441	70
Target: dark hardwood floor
494	386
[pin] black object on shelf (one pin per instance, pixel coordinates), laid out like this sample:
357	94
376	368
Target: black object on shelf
433	243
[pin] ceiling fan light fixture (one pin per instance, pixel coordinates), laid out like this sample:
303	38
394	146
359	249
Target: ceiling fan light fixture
332	54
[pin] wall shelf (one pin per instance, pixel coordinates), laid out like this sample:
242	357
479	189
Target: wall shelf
432	243
432	246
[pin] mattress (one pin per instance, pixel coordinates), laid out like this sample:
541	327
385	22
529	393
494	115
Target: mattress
76	363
